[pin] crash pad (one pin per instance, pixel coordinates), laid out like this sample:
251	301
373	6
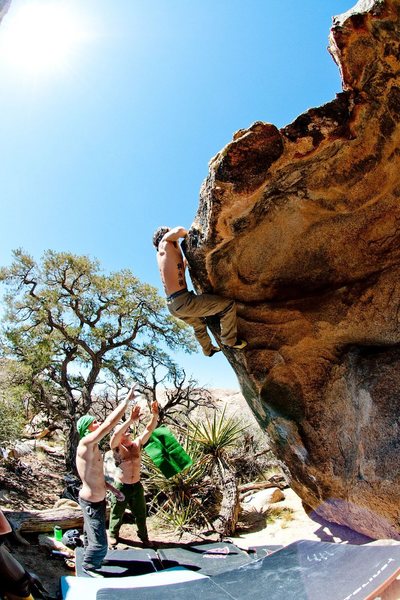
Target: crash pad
209	559
123	563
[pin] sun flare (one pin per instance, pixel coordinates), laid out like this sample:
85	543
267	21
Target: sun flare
41	36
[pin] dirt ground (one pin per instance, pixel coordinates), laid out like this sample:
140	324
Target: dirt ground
34	481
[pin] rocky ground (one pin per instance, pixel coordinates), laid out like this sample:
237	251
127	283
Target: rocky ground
32	481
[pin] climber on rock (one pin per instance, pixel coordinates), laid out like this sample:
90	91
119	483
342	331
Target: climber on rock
188	306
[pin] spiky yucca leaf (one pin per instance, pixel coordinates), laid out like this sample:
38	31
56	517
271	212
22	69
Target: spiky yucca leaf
181	516
217	436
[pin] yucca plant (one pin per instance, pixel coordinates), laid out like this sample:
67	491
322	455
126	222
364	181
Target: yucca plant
209	443
216	437
186	489
181	515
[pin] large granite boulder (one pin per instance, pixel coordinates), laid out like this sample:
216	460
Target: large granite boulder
302	227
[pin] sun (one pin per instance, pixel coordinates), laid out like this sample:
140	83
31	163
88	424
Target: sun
41	36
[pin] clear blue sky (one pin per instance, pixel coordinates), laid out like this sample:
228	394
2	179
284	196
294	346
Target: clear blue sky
102	145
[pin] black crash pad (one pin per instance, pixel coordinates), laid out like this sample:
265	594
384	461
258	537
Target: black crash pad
257	552
208	559
123	563
308	570
304	570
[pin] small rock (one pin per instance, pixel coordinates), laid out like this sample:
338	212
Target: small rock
261	500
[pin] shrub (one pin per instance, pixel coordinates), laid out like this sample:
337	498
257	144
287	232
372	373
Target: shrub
12	421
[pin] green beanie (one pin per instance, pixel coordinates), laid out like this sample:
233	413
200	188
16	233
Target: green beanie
83	425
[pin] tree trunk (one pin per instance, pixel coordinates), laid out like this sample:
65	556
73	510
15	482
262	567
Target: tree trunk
261	485
71	444
230	505
37	521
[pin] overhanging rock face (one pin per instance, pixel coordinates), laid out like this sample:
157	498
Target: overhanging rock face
302	227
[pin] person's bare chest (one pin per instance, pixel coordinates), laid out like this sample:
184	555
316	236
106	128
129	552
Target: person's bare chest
127	455
96	460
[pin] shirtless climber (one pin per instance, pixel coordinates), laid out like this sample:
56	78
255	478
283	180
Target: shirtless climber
186	305
89	463
127	455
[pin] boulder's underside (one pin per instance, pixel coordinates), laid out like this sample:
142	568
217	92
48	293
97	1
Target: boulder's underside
301	227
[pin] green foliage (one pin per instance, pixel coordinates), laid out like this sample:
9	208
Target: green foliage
180	516
12	421
189	498
206	494
216	436
186	490
69	321
13	401
69	298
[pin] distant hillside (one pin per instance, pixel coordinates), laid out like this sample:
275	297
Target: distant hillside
235	404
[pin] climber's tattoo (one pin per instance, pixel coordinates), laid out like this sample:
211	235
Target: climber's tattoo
181	277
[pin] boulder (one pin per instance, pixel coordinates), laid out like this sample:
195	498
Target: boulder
260	501
301	227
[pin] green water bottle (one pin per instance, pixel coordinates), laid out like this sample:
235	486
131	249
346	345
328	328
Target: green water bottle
58	533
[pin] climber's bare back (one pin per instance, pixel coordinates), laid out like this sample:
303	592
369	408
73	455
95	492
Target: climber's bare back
172	266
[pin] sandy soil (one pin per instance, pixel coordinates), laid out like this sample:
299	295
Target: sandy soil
301	527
